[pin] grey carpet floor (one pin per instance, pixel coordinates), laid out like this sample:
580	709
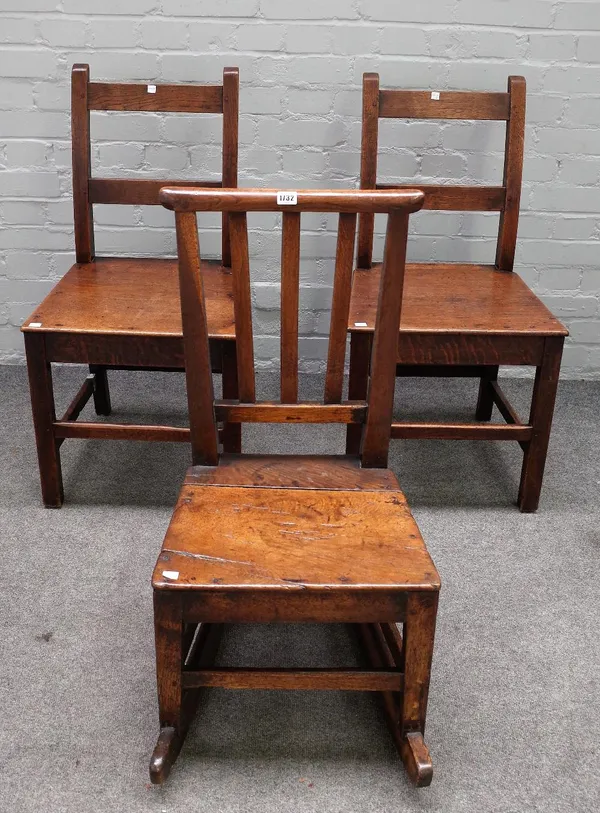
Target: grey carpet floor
514	707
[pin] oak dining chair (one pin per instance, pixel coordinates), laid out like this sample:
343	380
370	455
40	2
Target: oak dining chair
123	312
268	538
461	319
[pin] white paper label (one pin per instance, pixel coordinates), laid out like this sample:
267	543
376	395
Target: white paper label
435	95
151	88
287	198
360	324
173	575
35	324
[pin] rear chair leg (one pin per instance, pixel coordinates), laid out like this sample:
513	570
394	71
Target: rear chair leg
168	627
485	400
358	384
44	415
232	432
542	411
101	391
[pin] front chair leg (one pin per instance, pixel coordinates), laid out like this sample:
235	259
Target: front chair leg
485	399
44	415
101	392
405	711
542	411
419	633
168	627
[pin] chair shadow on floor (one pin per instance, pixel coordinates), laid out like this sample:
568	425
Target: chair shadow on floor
432	473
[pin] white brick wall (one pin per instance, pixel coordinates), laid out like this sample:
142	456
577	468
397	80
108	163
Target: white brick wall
301	66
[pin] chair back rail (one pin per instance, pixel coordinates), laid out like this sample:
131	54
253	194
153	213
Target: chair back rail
375	413
419	104
164	98
473	106
87	96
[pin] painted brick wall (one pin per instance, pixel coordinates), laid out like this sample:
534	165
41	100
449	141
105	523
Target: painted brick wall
301	66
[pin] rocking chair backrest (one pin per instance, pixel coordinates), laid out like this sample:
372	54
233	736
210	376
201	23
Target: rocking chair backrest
375	414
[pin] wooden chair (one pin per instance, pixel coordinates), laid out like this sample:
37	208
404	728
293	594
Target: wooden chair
293	539
462	319
123	312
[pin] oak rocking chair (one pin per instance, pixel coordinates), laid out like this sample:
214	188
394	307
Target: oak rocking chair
266	538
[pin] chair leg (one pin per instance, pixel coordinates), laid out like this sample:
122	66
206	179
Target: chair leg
232	432
485	401
44	415
411	653
101	391
358	383
540	418
419	632
168	627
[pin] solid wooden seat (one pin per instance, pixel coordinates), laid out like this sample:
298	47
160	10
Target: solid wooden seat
262	538
461	319
124	312
126	296
456	298
240	535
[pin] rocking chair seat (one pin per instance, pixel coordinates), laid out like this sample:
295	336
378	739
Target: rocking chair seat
293	524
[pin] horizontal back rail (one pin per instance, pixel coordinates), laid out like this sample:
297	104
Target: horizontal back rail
303	412
458	198
156	98
308	200
423	104
136	191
